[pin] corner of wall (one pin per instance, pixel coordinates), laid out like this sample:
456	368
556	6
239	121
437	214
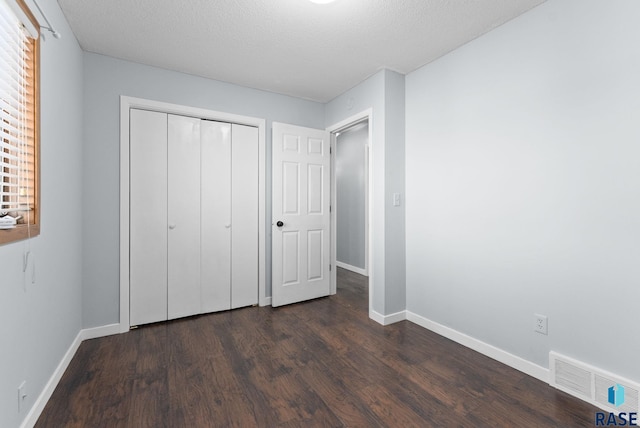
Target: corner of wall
395	200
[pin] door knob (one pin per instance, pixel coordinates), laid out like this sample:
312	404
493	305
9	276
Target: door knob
279	223
228	225
172	226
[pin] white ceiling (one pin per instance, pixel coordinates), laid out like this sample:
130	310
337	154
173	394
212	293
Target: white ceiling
291	47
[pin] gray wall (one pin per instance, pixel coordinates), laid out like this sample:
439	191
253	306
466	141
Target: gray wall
384	94
105	79
395	273
523	185
39	321
350	172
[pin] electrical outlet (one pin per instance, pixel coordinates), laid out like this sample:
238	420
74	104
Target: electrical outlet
22	395
540	324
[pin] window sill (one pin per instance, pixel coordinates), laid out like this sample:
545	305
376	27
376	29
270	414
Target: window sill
18	233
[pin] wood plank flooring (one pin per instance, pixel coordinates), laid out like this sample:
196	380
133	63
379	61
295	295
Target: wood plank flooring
321	363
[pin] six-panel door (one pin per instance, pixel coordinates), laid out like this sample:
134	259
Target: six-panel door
301	222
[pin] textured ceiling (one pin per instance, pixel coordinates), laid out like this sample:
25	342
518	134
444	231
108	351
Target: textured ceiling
291	47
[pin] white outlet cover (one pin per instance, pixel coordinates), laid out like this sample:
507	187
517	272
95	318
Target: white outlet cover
540	324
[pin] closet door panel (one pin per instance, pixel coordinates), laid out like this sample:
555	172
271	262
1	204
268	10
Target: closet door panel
184	294
216	215
148	217
244	216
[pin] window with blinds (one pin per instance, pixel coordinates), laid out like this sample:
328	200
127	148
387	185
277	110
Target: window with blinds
19	127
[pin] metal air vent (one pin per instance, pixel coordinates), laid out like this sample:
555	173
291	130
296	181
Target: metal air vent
592	384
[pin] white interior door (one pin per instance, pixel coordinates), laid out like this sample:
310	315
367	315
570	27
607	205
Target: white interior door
183	268
216	215
147	217
301	219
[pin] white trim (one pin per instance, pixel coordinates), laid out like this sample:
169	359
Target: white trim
334	196
388	319
490	351
497	354
125	106
266	301
37	408
102	331
367	185
351	268
85	334
333	250
351	120
127	103
379	318
358	117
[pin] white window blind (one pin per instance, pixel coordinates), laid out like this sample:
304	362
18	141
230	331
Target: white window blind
17	142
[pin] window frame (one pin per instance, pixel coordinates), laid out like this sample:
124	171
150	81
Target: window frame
26	231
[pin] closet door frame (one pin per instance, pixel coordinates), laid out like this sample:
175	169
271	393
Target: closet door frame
128	103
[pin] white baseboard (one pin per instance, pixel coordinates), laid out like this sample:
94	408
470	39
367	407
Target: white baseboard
490	351
265	301
37	408
85	334
387	319
105	330
352	268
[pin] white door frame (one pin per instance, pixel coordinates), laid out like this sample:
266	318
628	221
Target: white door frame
369	241
365	189
127	103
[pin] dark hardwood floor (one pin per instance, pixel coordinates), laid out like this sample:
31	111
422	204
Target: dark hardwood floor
319	363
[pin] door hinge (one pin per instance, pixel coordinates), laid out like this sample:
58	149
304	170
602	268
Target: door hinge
329	208
329	267
329	150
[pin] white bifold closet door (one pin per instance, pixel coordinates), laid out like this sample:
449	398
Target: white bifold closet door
229	169
183	208
216	217
244	216
194	216
148	236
